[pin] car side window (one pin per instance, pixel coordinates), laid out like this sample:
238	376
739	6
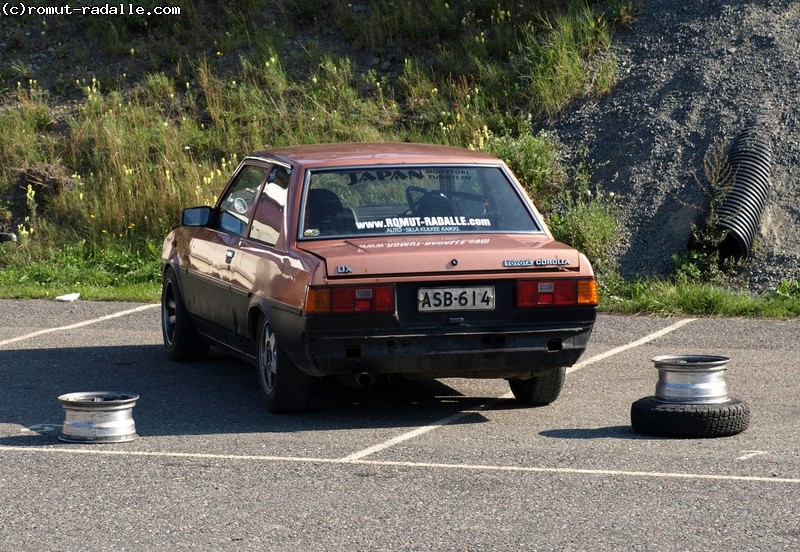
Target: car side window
268	216
237	206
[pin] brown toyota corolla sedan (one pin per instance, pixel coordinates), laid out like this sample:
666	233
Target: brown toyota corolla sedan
370	260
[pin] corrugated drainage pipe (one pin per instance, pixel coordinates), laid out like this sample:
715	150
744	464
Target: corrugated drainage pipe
749	161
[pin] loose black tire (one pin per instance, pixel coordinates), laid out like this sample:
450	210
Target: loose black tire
651	417
284	387
180	336
538	390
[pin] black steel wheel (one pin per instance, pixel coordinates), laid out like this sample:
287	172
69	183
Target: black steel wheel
180	336
284	387
538	390
683	420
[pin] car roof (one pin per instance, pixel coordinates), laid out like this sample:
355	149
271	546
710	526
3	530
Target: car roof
374	153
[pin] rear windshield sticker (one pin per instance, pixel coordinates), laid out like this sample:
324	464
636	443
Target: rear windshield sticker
396	174
418	224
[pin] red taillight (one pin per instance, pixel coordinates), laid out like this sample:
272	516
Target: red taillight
535	293
349	299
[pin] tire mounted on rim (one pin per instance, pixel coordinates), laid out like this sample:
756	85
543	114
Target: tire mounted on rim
180	336
284	387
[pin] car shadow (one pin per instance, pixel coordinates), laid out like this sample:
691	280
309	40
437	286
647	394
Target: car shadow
218	395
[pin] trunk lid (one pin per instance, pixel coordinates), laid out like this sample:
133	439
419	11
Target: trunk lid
446	254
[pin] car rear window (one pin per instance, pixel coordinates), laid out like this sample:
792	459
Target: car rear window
371	201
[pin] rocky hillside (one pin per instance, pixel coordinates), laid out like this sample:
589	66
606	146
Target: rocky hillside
692	76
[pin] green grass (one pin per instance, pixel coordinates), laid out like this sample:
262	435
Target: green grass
140	293
116	272
670	298
105	177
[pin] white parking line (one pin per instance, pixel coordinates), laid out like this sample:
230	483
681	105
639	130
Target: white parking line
455	417
417	432
389	463
748	454
631	345
76	325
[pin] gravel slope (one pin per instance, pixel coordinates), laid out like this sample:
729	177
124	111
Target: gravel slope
692	74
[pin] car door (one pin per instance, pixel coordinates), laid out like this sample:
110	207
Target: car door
259	264
214	249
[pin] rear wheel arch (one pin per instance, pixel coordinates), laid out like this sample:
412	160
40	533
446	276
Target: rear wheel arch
254	316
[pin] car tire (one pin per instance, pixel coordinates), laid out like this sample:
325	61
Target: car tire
180	336
538	390
652	417
285	388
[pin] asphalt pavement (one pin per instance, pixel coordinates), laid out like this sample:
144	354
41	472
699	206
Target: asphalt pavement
449	464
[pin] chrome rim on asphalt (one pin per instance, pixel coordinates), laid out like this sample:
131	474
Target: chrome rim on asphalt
268	358
691	379
98	417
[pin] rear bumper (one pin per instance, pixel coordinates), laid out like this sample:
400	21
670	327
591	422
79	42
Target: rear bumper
466	353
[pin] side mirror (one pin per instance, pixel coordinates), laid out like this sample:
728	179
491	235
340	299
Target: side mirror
196	216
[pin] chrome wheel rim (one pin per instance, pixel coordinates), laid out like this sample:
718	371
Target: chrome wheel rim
691	379
268	359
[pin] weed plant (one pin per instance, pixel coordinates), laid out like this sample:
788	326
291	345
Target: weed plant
702	262
26	133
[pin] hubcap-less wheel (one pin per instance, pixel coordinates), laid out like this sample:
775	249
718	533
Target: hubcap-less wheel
180	336
268	359
168	314
285	388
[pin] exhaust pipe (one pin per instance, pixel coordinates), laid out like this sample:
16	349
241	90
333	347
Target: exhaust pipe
365	379
357	380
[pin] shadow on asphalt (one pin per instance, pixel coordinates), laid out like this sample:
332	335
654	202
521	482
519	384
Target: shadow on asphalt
613	432
215	396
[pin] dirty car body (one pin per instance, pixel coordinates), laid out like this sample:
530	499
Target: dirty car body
369	260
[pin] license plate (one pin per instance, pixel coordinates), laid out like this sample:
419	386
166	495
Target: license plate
455	298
